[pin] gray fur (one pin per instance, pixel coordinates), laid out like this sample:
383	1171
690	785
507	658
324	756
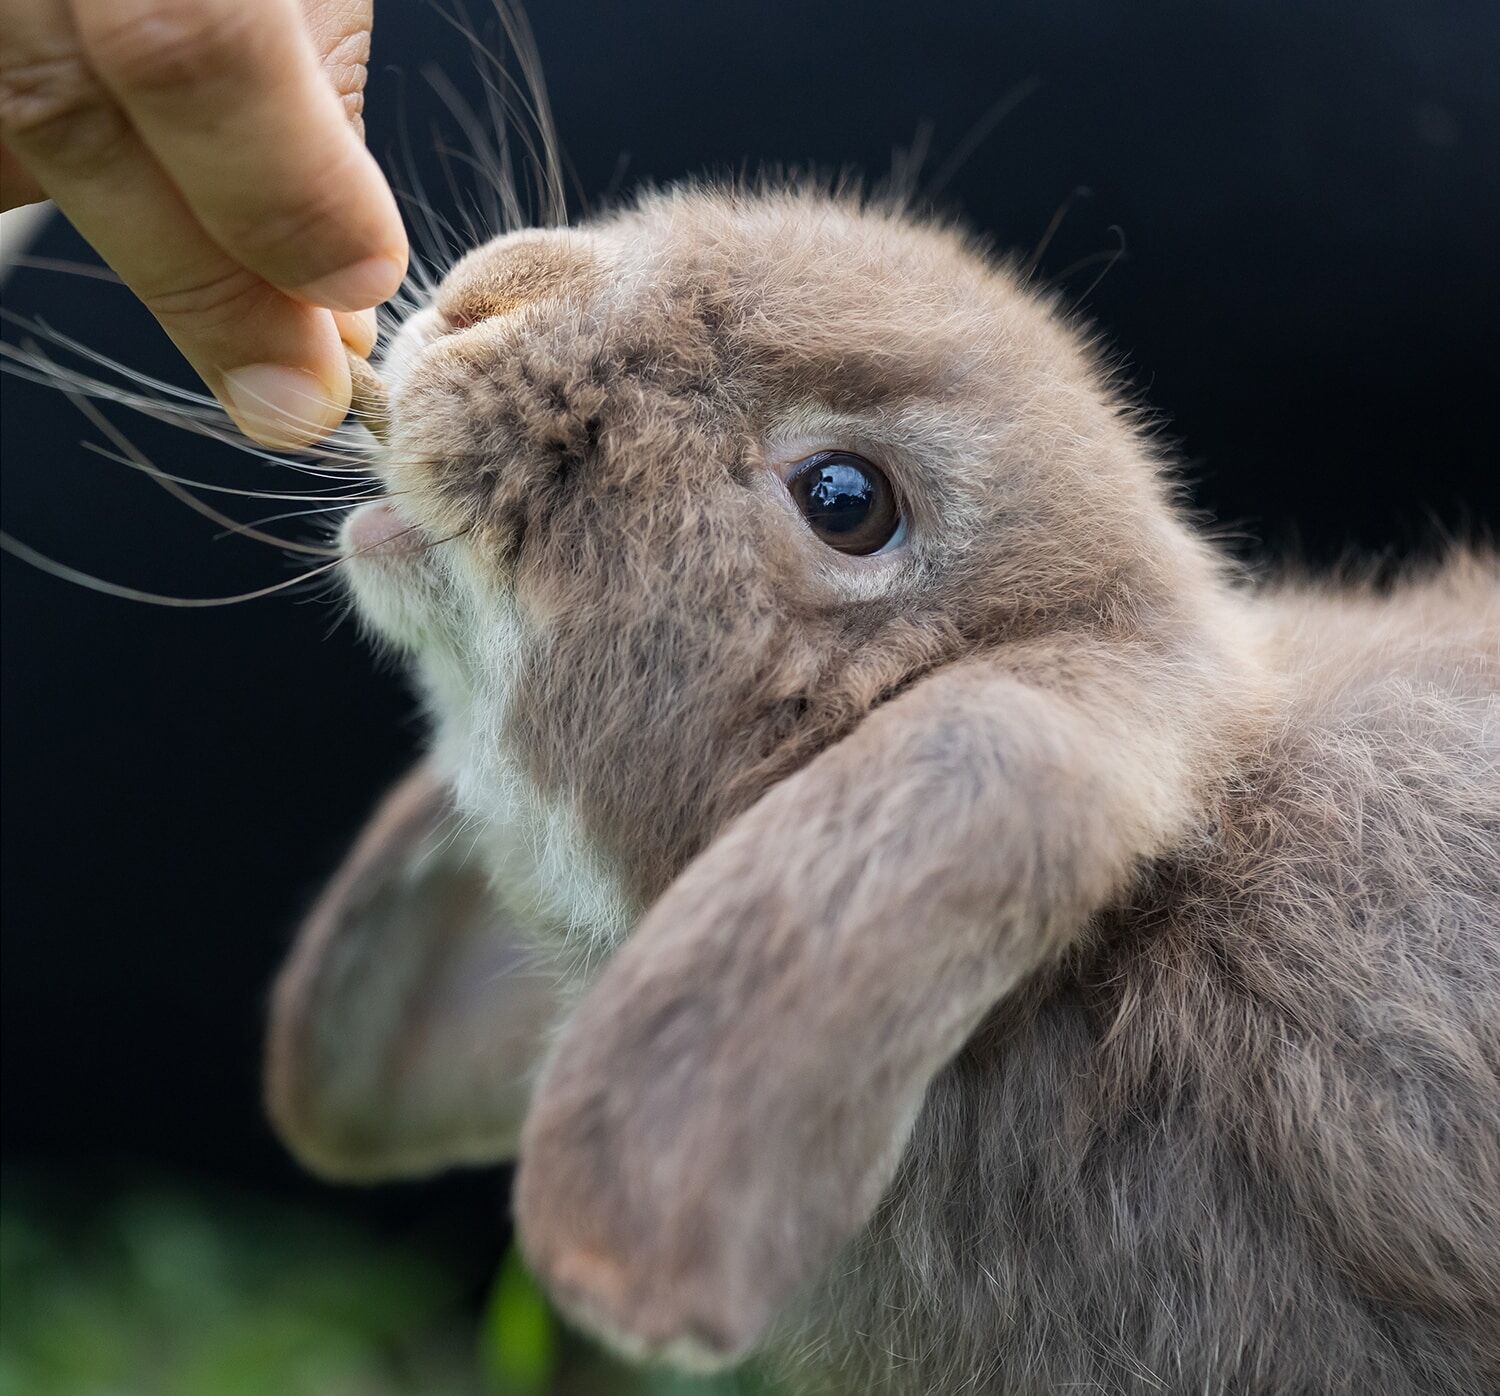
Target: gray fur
1033	961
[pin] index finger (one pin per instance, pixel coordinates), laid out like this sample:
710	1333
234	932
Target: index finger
231	100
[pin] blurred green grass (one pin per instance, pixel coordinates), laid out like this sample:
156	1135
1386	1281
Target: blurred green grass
177	1293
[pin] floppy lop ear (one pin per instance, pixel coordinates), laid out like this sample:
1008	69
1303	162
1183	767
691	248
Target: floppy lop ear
408	1018
727	1105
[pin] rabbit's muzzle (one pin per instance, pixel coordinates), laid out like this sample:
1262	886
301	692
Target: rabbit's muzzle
546	418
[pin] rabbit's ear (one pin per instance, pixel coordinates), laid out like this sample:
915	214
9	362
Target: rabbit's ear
407	1020
729	1102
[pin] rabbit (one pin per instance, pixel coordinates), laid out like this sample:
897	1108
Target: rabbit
914	909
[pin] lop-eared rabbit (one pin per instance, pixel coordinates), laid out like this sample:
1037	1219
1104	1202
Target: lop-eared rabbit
910	908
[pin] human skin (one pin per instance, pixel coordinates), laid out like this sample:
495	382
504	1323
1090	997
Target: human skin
211	152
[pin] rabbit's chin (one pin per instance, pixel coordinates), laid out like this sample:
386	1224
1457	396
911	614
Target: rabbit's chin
379	533
383	563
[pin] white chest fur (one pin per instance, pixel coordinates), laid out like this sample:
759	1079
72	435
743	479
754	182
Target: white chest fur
544	866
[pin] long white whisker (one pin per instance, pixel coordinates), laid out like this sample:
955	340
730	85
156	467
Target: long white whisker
123	443
61	570
43	563
490	153
435	218
312	497
32	365
68	268
203	410
200	403
478	227
243	528
523	44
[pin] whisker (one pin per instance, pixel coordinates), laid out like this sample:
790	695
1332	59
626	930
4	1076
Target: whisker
68	268
508	172
429	238
906	165
491	154
467	206
497	150
313	497
616	178
32	365
1108	258
523	44
500	102
121	442
437	225
65	573
247	528
435	218
344	450
42	330
490	149
203	409
531	94
1080	191
61	570
978	134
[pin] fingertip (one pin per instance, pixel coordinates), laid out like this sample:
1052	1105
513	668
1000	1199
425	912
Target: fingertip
361	285
285	408
369	280
359	329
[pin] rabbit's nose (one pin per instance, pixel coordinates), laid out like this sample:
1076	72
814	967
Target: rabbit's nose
512	273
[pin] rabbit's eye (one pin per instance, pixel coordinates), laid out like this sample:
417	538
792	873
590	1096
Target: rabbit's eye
846	501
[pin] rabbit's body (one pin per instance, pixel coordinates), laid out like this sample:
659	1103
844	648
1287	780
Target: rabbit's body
1060	966
1244	1138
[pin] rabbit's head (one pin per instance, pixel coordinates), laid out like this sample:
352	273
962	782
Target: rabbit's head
713	478
790	591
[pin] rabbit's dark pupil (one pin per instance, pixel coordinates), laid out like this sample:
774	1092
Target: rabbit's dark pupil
847	502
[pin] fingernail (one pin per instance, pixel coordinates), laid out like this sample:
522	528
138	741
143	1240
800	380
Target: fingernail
358	329
280	406
357	286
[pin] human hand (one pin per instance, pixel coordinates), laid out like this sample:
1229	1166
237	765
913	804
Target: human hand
211	152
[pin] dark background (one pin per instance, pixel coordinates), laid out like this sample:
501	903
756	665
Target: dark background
1308	198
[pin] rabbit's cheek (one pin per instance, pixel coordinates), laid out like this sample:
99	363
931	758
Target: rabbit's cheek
416	333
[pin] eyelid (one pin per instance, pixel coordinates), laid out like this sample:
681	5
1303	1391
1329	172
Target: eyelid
786	458
790	469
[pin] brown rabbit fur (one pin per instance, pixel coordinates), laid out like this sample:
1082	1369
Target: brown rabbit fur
1027	959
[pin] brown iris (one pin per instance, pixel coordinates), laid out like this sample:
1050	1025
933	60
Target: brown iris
846	501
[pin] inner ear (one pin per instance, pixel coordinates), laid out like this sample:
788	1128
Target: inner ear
406	1022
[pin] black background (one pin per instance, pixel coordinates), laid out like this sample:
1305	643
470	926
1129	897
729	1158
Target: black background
1307	194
